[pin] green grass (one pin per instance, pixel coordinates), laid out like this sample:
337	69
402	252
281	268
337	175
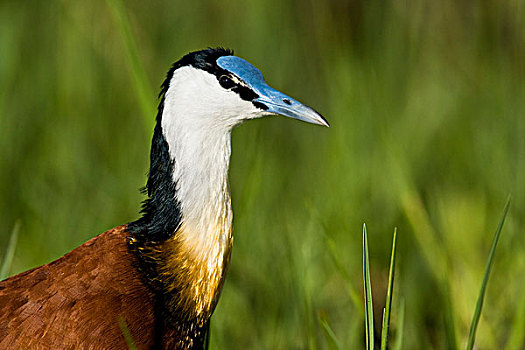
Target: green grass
368	304
481	297
143	90
126	334
398	344
369	309
389	291
10	252
426	102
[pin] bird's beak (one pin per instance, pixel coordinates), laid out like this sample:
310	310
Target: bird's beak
273	101
279	103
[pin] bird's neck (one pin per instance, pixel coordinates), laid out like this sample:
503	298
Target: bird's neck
183	241
199	252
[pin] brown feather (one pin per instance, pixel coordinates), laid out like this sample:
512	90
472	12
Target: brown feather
77	300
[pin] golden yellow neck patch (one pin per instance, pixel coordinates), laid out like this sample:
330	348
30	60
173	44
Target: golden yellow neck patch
194	274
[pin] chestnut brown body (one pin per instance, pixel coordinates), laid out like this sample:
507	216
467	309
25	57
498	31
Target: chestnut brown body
77	301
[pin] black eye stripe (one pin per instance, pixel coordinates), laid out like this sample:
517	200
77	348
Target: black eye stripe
260	105
245	92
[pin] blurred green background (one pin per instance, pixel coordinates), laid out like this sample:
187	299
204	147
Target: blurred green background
427	105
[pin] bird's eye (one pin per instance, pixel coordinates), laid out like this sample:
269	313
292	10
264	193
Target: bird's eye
226	82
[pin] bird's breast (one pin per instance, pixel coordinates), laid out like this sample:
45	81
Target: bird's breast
196	259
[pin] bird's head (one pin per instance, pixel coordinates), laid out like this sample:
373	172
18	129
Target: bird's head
205	95
214	90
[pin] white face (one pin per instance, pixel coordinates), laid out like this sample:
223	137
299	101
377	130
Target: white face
197	100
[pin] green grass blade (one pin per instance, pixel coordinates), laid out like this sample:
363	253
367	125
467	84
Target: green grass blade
10	252
388	305
369	310
127	334
479	305
330	335
400	327
145	94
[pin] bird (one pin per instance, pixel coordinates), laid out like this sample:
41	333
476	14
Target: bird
157	279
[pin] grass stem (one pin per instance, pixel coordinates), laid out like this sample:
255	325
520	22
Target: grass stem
369	310
388	305
479	305
10	252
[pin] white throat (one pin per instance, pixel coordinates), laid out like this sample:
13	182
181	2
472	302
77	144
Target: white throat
197	129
